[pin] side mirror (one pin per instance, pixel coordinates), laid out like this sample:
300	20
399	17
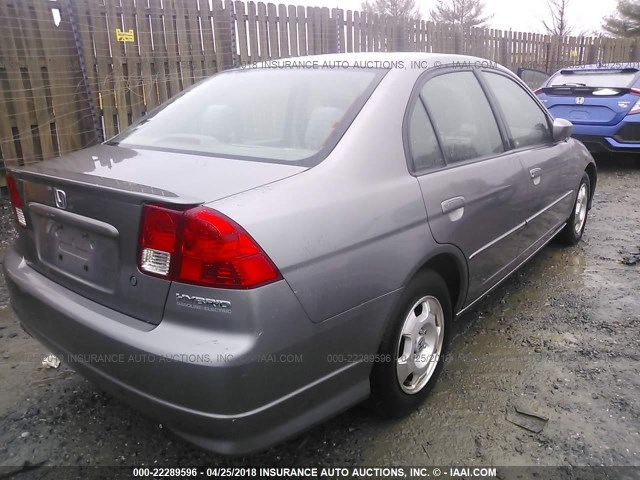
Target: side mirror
561	129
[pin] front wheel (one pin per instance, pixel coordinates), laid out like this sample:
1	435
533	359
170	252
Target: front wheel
573	230
413	347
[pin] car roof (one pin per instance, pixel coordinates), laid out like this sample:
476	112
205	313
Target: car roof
357	58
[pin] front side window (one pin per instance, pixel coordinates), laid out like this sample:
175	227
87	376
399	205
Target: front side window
274	115
462	116
526	121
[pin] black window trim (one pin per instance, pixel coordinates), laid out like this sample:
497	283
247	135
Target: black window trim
415	95
527	91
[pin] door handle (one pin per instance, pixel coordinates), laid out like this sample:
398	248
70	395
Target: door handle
535	174
454	207
452	204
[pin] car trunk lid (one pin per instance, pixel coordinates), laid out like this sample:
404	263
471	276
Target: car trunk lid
594	97
582	106
83	215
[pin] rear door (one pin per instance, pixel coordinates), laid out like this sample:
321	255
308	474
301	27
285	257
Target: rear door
547	164
474	191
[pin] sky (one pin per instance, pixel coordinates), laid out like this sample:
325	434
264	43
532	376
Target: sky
517	15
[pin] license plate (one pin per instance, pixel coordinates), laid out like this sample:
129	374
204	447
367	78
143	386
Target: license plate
79	253
72	249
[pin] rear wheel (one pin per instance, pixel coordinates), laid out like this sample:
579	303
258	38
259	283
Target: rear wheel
573	230
413	347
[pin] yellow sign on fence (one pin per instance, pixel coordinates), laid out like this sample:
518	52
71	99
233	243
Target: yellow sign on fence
127	36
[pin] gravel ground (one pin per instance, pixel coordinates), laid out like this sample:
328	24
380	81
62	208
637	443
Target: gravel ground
561	338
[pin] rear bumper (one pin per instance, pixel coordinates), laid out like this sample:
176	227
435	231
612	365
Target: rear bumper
598	144
228	392
599	139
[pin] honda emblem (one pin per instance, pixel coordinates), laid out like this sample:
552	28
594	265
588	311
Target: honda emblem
579	100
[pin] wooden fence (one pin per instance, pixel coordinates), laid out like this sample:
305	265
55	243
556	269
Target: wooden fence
74	72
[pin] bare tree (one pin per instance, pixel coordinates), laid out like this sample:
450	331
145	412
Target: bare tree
468	13
559	24
626	21
396	9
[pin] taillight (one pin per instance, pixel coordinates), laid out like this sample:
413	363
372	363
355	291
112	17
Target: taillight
538	91
16	201
158	239
636	107
202	247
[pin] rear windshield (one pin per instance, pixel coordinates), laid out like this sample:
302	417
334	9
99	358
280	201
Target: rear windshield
607	78
273	115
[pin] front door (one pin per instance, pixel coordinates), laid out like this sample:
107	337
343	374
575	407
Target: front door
546	163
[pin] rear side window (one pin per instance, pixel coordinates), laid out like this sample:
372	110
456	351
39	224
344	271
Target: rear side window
461	114
425	150
526	121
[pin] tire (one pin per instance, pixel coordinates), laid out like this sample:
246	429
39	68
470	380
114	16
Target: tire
394	398
573	230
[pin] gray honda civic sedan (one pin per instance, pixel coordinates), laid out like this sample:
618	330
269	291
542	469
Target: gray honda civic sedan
279	243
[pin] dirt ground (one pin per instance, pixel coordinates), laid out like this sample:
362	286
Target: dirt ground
561	337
